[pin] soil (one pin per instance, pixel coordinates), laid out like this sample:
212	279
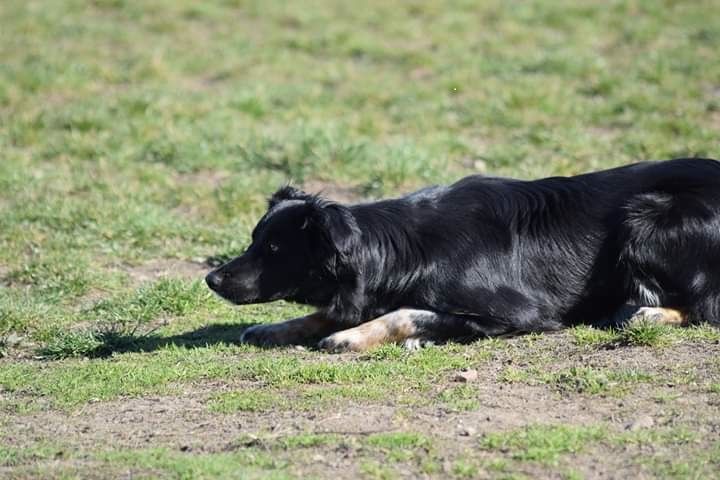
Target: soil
174	268
4	271
184	423
333	191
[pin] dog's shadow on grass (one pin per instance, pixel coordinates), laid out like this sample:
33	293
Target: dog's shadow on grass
109	342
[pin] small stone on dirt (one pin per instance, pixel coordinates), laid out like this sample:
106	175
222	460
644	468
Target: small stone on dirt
466	376
467	432
13	339
640	423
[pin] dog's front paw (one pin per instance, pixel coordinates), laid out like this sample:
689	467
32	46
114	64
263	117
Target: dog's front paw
341	342
266	336
416	343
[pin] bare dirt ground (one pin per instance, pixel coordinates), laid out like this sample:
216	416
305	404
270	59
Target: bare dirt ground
163	268
333	190
677	398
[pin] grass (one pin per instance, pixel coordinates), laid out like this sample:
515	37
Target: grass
543	443
220	465
72	383
401	440
548	445
581	380
140	140
537	446
643	334
12	456
646	334
593	381
461	398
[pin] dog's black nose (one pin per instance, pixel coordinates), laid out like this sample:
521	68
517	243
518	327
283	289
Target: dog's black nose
214	280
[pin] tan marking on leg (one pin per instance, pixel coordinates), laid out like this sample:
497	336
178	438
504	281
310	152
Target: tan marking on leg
291	332
660	316
394	327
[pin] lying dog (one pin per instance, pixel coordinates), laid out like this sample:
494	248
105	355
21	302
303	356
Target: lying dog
487	256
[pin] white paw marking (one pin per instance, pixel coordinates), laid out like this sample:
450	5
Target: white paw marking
342	342
417	343
648	313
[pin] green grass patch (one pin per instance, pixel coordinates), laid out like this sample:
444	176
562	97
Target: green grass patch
169	297
113	155
593	381
12	456
240	465
657	436
74	382
465	469
376	471
582	380
586	336
400	446
460	398
71	383
647	334
397	440
67	344
643	334
54	278
543	443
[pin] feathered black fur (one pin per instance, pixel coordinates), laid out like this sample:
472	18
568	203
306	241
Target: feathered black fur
496	255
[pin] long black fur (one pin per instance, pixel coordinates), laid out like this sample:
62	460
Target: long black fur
497	255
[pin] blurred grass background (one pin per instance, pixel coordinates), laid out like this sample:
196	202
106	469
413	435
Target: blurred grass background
140	138
136	131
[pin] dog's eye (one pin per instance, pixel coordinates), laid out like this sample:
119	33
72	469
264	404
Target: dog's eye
273	247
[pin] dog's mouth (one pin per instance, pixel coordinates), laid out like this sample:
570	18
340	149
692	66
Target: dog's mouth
243	291
229	289
236	298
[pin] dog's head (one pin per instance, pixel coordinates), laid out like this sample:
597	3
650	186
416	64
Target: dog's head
300	249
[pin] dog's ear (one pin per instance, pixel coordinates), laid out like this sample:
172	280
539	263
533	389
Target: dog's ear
338	230
335	230
287	193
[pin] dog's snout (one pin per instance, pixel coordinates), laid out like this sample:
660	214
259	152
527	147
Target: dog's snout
214	279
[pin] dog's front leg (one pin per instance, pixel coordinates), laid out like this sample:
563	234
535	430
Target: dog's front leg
406	326
298	331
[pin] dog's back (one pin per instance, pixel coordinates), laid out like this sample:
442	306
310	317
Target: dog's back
489	256
553	251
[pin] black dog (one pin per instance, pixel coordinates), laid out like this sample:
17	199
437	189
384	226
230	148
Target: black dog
487	256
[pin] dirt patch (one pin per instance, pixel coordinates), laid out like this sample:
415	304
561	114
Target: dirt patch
4	272
184	422
715	120
166	268
333	191
210	178
676	398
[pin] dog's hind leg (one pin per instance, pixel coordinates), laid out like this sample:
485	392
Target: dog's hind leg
298	331
631	315
409	327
